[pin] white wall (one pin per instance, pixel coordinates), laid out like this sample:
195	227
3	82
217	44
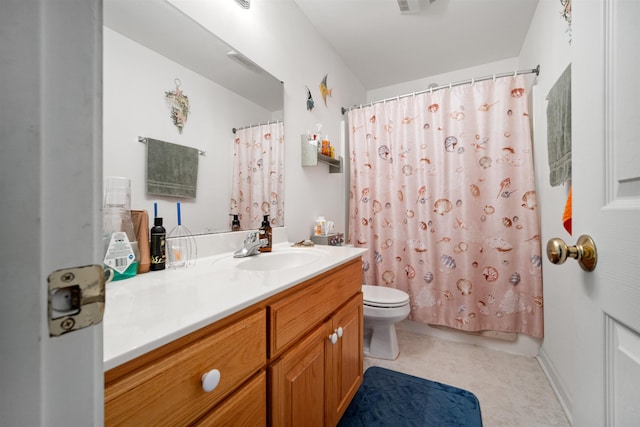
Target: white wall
279	38
547	44
134	82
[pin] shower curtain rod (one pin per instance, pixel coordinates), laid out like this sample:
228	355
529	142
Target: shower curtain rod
450	85
257	124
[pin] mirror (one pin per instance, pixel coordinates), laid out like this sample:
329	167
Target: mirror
151	48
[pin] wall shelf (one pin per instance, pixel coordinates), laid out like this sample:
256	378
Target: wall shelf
311	157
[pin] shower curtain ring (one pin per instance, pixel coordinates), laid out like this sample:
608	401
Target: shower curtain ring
449	85
473	81
515	74
494	77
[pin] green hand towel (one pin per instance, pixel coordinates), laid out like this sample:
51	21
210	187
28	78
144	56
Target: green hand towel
172	170
559	129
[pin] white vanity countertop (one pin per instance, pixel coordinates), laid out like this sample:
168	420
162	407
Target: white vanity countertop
155	308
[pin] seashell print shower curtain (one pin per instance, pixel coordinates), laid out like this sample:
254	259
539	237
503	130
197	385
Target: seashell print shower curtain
258	182
442	193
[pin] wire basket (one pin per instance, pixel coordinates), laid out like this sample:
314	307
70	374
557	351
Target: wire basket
181	246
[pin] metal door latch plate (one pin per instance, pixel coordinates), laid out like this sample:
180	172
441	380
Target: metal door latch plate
76	298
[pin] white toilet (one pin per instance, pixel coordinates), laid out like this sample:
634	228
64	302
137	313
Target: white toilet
383	308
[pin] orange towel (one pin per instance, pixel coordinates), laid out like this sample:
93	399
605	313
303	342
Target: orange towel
566	216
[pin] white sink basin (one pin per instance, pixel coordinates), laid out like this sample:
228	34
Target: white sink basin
276	260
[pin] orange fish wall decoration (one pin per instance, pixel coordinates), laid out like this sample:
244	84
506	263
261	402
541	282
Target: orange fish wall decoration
324	90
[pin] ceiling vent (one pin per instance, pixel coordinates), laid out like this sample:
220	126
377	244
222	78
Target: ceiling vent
408	6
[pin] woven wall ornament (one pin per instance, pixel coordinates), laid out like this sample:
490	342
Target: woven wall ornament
179	104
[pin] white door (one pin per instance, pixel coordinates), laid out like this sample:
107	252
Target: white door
606	197
50	186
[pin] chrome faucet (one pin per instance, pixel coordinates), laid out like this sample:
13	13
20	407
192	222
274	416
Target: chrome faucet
251	246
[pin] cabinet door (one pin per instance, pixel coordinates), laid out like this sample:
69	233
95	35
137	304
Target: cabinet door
297	383
344	361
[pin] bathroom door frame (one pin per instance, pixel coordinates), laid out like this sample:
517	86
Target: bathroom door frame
51	179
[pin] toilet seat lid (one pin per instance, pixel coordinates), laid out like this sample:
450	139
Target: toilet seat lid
381	296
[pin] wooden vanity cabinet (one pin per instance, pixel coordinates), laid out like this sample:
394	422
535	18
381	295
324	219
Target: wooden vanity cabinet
278	364
312	377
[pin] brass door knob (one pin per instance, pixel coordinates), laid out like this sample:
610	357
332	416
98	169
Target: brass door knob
584	252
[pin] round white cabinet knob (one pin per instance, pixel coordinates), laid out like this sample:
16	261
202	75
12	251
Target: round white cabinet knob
210	380
333	338
339	331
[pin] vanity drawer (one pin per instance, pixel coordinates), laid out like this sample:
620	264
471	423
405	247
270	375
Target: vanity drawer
246	407
168	390
294	315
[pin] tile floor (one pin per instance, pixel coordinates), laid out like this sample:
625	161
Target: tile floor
513	390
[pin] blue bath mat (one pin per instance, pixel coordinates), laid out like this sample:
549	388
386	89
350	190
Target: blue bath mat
389	398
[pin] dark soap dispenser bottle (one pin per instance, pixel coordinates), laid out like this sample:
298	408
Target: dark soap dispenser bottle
235	223
158	245
265	233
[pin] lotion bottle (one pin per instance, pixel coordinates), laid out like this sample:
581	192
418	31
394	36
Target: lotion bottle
235	223
158	245
265	232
